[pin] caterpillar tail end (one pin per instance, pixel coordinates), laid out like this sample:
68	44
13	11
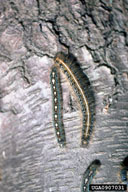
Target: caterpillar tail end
62	143
84	141
84	144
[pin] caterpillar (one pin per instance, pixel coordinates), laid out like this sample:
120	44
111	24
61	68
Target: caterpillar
89	174
82	88
124	170
57	105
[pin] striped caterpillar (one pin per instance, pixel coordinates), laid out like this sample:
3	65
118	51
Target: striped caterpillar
57	105
89	174
81	86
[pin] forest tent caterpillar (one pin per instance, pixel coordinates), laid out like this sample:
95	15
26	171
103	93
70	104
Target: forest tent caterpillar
81	85
57	105
89	174
124	170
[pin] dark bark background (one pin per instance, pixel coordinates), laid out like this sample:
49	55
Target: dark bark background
31	33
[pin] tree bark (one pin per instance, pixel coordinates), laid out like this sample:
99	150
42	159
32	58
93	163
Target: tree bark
31	33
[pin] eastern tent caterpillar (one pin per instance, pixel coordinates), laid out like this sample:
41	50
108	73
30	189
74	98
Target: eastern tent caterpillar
57	105
89	174
81	85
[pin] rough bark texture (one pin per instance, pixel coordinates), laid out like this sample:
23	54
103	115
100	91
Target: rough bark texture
31	33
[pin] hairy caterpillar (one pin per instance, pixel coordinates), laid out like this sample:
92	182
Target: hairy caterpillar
124	170
89	174
57	105
82	88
